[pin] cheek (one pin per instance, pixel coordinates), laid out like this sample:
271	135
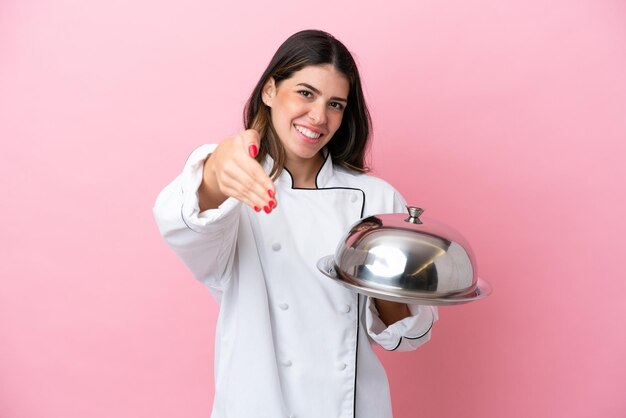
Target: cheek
294	109
286	112
336	121
280	117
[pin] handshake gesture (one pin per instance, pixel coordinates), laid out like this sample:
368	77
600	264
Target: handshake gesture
233	171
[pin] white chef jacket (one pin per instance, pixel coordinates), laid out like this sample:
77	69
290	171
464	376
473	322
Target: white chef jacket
289	341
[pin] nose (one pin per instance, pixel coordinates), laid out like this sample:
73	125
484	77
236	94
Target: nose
317	114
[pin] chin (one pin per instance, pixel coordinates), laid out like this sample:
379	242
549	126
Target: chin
307	155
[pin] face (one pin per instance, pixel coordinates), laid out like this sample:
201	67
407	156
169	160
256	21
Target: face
307	109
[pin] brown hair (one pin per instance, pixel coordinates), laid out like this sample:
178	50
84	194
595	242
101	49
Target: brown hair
313	47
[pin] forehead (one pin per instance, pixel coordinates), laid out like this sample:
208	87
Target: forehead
326	78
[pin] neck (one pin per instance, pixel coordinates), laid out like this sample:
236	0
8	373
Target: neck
303	172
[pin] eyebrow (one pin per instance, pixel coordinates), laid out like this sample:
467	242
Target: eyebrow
316	91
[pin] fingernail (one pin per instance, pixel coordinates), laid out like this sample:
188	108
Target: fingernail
253	150
257	209
272	204
266	209
270	192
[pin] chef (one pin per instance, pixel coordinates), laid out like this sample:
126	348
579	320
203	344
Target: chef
251	216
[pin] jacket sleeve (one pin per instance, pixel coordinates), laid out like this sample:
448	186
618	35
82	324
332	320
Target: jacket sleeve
404	335
204	241
408	333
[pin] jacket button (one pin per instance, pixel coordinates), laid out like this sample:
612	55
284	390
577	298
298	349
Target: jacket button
353	198
283	306
341	366
287	363
276	246
345	308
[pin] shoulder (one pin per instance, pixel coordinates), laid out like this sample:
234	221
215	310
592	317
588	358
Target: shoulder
380	195
360	180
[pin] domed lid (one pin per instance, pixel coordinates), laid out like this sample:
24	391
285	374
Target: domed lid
406	259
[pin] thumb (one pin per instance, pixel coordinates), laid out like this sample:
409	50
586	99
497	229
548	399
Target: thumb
251	140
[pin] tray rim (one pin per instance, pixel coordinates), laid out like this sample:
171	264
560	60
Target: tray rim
326	265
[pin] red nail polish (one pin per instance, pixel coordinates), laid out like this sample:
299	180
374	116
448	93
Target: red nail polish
253	150
266	209
257	209
271	193
272	204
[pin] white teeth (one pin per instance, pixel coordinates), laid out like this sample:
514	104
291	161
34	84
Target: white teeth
307	132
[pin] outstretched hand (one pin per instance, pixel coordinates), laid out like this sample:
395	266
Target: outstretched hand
232	171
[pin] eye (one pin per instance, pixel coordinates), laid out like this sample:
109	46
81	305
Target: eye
305	93
337	105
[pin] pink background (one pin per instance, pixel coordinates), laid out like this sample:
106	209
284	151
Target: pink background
505	119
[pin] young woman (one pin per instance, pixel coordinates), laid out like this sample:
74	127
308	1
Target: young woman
251	216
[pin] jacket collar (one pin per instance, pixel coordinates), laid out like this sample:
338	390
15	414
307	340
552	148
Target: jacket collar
322	178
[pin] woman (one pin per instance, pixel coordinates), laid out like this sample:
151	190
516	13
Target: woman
251	216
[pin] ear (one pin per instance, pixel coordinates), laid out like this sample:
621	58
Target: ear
269	91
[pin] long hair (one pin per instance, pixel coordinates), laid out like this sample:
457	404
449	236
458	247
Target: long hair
350	142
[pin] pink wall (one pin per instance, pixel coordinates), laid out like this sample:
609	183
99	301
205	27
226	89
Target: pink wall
515	115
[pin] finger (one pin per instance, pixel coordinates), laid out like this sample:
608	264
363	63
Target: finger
251	142
233	193
267	188
233	189
256	188
248	184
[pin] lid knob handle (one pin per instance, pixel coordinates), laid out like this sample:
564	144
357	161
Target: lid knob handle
414	214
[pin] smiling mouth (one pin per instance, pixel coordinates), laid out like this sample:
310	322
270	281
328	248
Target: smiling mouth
307	132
